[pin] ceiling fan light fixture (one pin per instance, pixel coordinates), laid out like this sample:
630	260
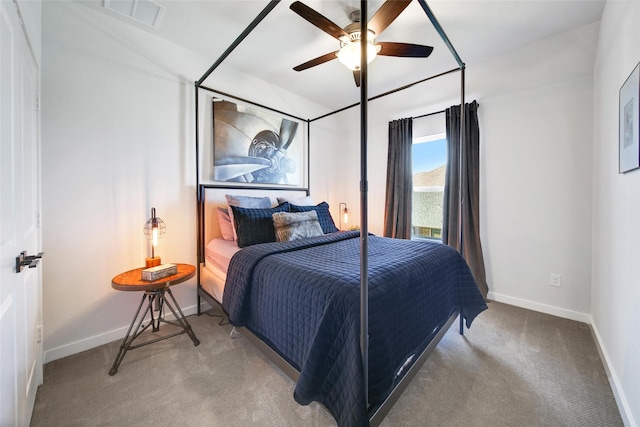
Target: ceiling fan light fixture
349	54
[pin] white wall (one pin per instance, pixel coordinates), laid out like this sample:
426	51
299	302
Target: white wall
536	186
117	139
615	298
536	163
116	142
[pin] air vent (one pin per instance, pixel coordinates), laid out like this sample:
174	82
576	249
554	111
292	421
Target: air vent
144	12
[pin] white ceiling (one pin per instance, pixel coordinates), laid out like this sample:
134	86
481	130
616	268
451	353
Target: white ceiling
478	29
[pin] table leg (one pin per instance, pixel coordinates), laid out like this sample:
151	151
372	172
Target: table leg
157	297
126	343
182	320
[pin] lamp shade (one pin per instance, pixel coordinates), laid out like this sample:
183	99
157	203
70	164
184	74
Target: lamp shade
349	54
344	214
154	229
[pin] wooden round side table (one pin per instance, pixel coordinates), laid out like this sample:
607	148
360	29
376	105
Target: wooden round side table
154	292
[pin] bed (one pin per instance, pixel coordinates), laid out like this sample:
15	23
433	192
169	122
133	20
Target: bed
351	341
301	299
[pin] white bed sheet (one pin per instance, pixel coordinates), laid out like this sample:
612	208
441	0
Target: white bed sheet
213	276
218	253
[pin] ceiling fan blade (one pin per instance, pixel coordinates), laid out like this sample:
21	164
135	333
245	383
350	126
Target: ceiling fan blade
318	20
387	13
317	61
404	49
356	77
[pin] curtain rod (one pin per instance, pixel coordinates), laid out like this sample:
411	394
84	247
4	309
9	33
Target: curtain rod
439	112
429	114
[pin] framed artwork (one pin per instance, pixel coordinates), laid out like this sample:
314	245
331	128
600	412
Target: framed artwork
256	146
629	134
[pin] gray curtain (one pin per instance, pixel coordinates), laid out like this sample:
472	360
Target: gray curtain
397	212
461	211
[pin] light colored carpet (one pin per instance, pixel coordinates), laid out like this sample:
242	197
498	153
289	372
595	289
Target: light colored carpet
514	367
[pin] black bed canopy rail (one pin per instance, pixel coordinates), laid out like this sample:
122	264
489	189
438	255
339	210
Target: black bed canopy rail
441	33
390	92
239	39
256	104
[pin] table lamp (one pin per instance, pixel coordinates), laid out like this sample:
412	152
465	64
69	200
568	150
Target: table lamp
154	229
344	214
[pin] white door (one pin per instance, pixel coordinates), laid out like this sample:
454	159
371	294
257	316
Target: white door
20	292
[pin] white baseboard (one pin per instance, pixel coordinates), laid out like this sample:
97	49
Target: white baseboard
107	337
618	392
542	308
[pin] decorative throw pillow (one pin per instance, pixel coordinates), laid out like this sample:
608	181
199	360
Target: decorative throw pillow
245	202
224	220
256	225
300	201
324	216
292	226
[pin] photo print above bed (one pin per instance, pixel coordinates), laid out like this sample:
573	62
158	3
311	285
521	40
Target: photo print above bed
255	146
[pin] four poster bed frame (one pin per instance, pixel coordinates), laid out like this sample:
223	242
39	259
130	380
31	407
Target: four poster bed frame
377	413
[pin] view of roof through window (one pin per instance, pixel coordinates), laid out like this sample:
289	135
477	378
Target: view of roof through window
429	164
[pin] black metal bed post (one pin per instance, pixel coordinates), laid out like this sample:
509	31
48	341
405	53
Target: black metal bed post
462	159
364	188
199	202
308	184
461	178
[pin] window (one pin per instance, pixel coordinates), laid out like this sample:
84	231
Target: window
429	163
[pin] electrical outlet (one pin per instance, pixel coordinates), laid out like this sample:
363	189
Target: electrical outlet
39	332
555	279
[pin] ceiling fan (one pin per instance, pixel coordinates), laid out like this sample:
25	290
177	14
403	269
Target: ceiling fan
349	37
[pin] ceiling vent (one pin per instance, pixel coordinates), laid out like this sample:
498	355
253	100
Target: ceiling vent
144	12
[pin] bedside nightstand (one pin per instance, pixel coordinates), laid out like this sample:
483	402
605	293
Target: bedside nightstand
154	293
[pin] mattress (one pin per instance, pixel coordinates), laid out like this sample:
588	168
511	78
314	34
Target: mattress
218	254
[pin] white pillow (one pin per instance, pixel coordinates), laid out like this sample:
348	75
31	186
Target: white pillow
299	201
245	202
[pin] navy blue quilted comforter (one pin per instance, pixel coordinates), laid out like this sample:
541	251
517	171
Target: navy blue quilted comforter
303	299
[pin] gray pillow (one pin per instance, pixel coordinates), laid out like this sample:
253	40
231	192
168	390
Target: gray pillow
291	226
300	201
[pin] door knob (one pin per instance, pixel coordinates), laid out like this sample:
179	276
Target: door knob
24	260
